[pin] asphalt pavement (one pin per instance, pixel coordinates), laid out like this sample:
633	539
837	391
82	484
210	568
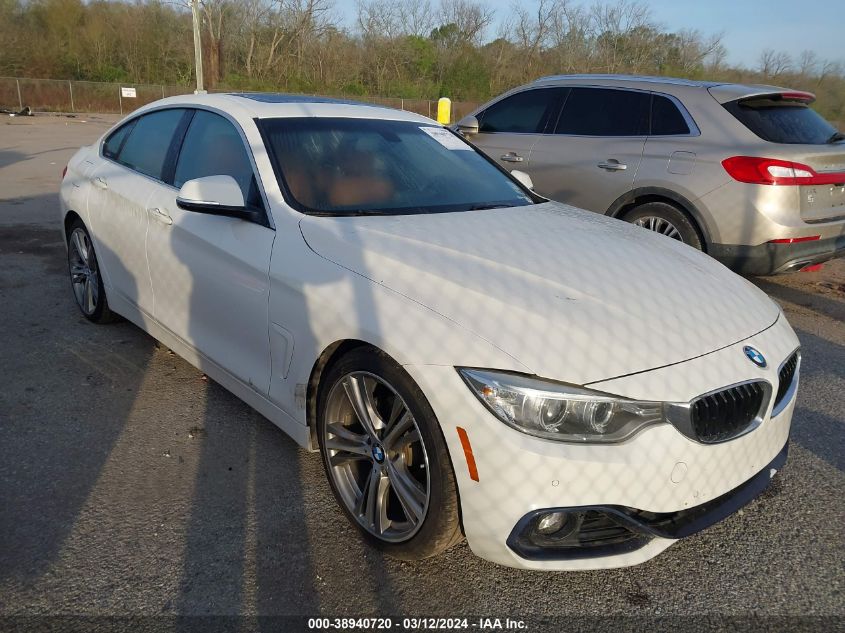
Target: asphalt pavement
130	485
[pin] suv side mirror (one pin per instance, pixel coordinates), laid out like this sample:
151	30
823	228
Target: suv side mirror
523	178
468	125
216	195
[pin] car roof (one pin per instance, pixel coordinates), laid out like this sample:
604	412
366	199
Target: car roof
721	91
277	105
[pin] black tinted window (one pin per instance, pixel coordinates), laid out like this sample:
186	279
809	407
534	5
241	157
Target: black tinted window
525	112
602	112
780	121
146	148
666	119
213	147
113	143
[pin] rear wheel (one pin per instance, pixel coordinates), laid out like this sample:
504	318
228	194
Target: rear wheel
385	456
666	219
85	278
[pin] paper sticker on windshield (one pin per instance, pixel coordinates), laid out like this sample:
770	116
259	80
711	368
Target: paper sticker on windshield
445	138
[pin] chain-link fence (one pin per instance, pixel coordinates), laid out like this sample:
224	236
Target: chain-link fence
57	95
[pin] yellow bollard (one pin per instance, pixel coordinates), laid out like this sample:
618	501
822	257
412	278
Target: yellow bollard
444	110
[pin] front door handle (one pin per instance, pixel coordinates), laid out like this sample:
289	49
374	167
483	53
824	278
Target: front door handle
160	215
511	157
99	183
613	165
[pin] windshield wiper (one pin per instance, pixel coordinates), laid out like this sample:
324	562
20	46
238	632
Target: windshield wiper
836	136
484	207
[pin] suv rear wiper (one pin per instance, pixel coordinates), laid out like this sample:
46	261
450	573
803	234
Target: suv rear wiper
836	136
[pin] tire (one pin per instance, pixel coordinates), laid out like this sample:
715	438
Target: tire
413	458
667	219
85	279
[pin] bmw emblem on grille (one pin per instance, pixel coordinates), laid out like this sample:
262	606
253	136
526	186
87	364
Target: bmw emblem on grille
754	356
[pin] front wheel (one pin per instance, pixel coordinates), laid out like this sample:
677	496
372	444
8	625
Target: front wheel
385	456
666	219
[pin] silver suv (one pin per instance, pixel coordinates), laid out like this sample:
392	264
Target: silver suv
748	173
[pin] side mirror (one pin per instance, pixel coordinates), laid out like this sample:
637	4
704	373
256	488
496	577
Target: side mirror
468	125
523	178
216	195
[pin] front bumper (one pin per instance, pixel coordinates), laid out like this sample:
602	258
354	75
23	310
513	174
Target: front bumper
771	258
658	471
619	530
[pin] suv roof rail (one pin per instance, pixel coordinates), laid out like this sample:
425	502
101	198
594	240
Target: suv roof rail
647	78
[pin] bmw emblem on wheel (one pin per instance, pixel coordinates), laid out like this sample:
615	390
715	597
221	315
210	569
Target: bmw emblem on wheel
754	356
378	454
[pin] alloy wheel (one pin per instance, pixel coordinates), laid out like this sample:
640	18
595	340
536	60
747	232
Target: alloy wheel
659	225
376	456
84	274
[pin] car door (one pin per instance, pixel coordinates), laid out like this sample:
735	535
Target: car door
594	150
509	128
130	163
210	273
669	157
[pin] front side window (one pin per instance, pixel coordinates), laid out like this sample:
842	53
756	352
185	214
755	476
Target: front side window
146	149
353	166
604	112
213	147
525	112
666	119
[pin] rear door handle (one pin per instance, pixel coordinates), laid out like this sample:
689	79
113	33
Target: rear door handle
613	165
160	215
511	157
99	183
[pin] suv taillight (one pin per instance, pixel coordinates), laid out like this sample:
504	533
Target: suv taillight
64	172
771	171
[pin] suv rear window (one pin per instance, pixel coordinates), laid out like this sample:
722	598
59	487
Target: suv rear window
666	119
780	121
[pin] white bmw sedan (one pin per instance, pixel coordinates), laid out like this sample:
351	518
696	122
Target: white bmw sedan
565	390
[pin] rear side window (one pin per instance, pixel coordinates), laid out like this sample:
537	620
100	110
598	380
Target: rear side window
146	148
779	121
112	145
525	112
604	112
213	147
666	119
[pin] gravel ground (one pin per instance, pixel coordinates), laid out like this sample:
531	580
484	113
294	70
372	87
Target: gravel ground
130	486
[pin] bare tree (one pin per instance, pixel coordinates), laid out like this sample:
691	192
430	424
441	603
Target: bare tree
532	30
471	18
773	64
417	17
808	64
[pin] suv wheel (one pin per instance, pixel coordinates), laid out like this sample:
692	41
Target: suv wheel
663	218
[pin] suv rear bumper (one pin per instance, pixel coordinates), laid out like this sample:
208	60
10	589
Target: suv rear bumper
772	259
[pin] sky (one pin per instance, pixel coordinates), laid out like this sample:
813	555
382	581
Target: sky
748	26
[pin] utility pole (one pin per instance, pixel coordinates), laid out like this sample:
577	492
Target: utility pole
195	12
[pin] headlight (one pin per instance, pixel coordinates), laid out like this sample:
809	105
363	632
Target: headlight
560	412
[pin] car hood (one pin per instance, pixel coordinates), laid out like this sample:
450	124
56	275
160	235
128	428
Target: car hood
570	295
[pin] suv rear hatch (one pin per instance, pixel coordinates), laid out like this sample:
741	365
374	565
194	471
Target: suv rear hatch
815	148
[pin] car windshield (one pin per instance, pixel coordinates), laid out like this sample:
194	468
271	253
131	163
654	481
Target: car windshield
348	166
